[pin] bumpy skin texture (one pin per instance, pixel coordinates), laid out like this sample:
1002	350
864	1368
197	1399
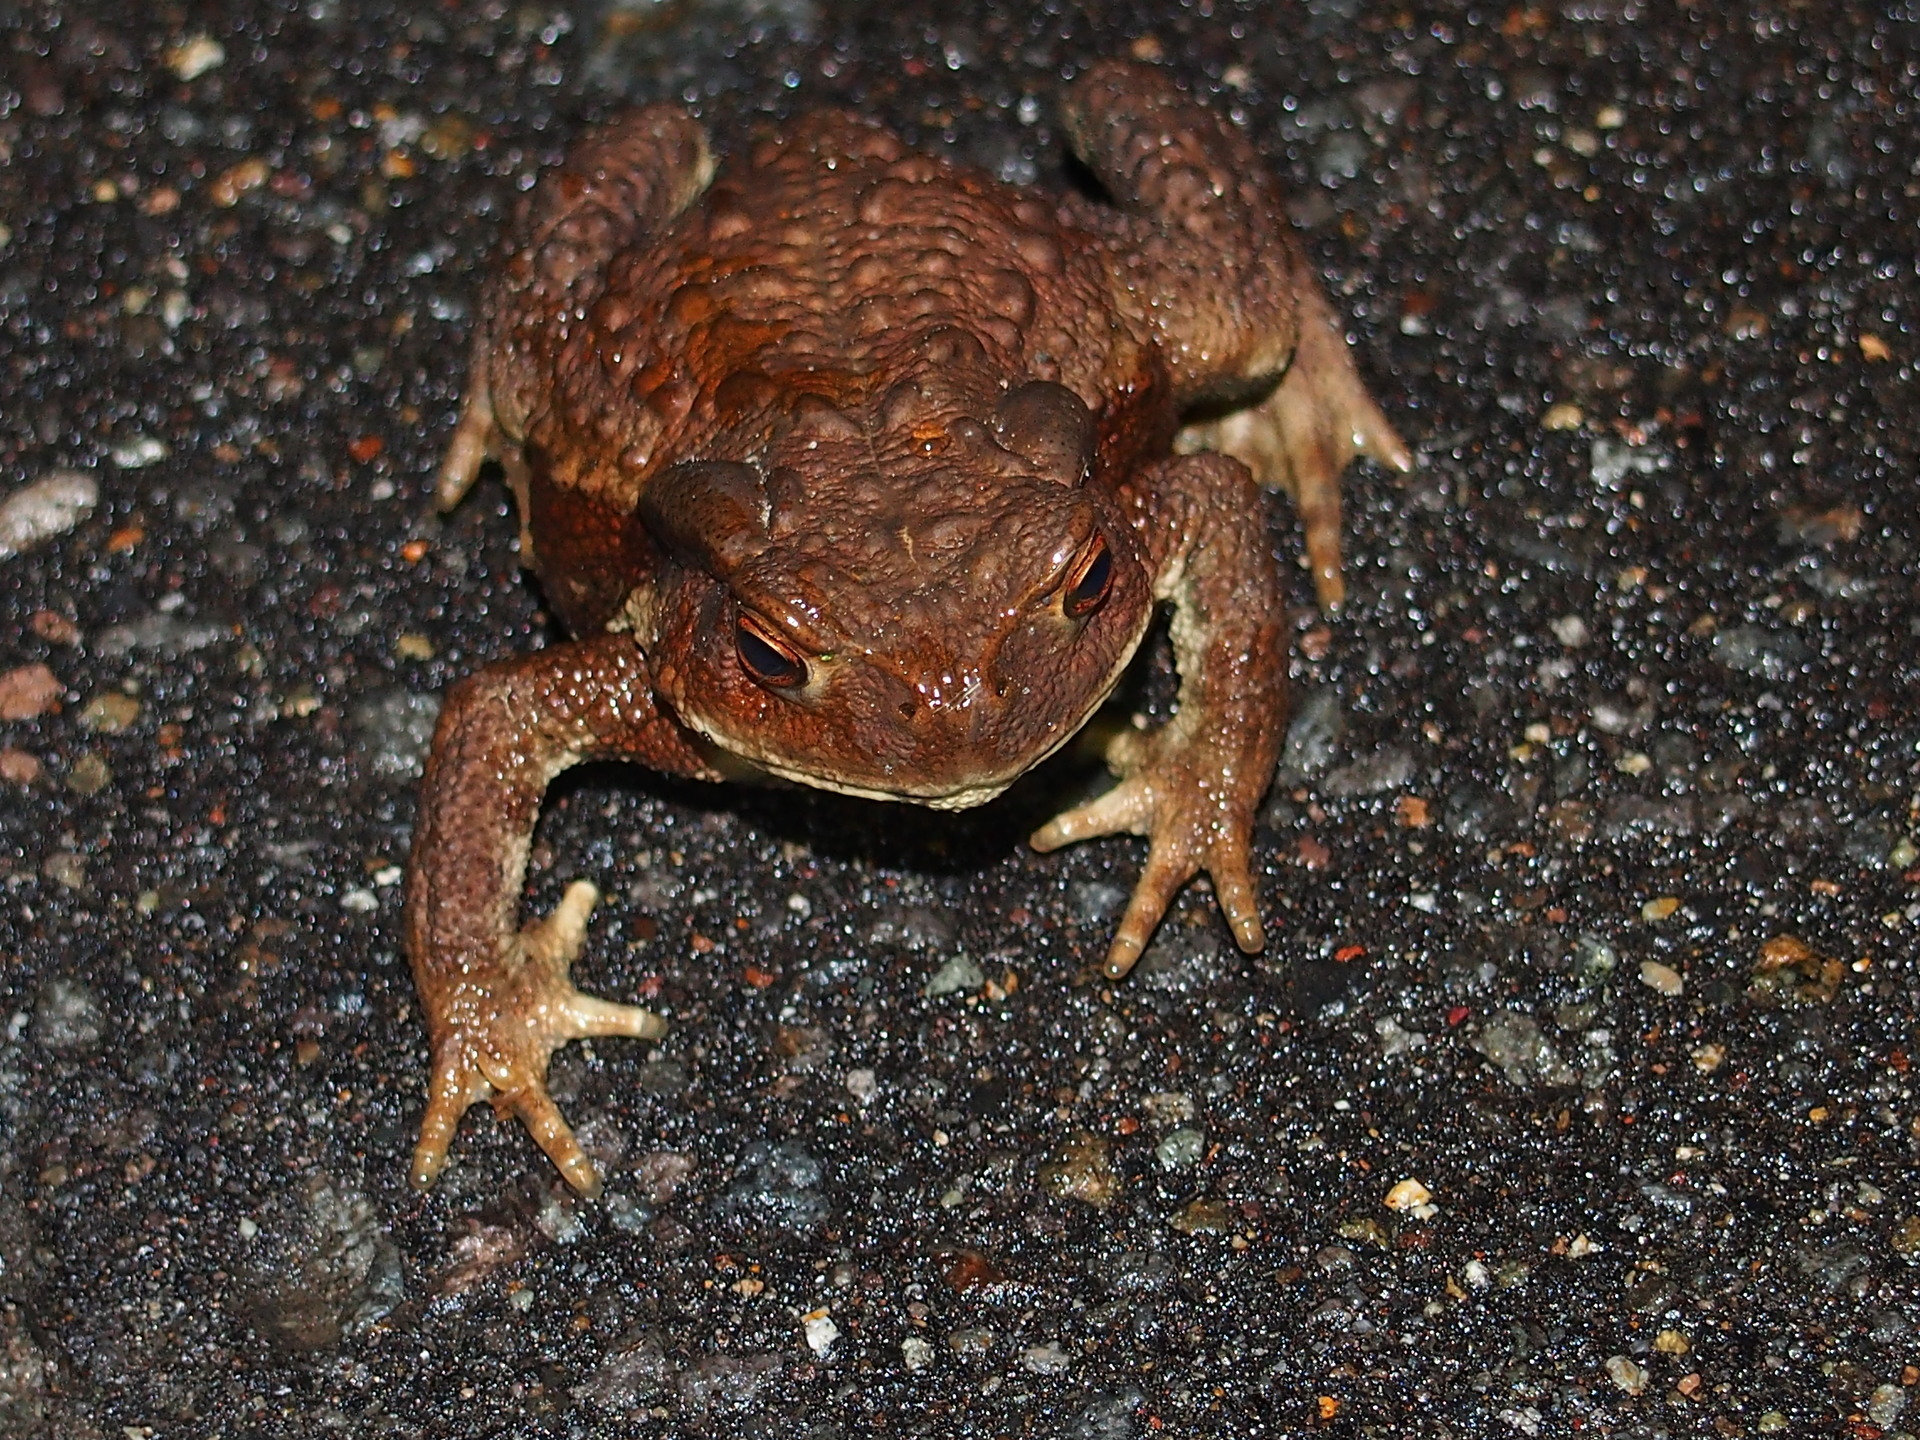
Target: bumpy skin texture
851	466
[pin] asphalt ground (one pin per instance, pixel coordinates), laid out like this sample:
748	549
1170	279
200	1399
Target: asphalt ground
1591	867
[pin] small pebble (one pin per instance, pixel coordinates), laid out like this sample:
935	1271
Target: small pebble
1409	1195
820	1331
1082	1170
1663	979
48	507
959	975
1514	1042
1181	1149
19	767
1313	736
1095	902
970	1340
167	634
1885	1405
109	712
393	729
1203	1216
1656	910
1395	1039
237	180
1170	1107
54	628
1390	767
90	775
139	452
359	901
66	1016
916	1353
1564	416
195	56
1570	631
28	691
863	1085
1048	1359
1627	1374
413	647
559	1219
1756	650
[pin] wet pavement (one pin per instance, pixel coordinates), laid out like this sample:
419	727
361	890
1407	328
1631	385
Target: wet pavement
1572	1093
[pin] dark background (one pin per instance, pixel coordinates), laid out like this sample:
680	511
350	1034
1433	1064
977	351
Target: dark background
1590	869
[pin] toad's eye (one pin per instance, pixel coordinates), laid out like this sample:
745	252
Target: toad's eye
765	656
1089	581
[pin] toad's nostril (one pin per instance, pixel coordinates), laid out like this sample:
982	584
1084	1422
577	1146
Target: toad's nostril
909	709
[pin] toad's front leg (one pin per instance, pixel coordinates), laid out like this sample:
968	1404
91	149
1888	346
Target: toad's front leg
1192	786
497	998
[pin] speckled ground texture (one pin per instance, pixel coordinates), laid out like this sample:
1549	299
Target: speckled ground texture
1591	863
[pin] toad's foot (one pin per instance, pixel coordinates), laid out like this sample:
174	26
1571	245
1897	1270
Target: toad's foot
493	1041
1196	811
1300	438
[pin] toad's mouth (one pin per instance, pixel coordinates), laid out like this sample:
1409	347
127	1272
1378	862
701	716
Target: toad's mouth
737	759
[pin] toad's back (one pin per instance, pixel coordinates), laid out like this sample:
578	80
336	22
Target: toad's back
819	267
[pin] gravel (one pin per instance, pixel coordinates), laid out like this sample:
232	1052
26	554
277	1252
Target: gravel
1644	626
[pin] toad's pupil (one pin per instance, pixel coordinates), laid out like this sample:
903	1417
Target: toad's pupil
767	663
1091	588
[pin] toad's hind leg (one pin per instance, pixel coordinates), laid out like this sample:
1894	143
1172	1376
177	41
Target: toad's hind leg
1203	248
1301	436
618	187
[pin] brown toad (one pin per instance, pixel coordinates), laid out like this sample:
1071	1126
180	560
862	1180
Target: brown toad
853	466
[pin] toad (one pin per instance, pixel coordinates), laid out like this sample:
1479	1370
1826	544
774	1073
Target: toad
851	466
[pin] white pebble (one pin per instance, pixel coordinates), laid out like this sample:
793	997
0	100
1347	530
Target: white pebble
1048	1359
1885	1404
1662	978
1571	631
1629	1375
192	58
820	1331
863	1085
1408	1195
139	452
46	508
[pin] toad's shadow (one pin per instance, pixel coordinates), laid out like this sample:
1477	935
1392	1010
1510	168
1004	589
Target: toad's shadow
850	830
